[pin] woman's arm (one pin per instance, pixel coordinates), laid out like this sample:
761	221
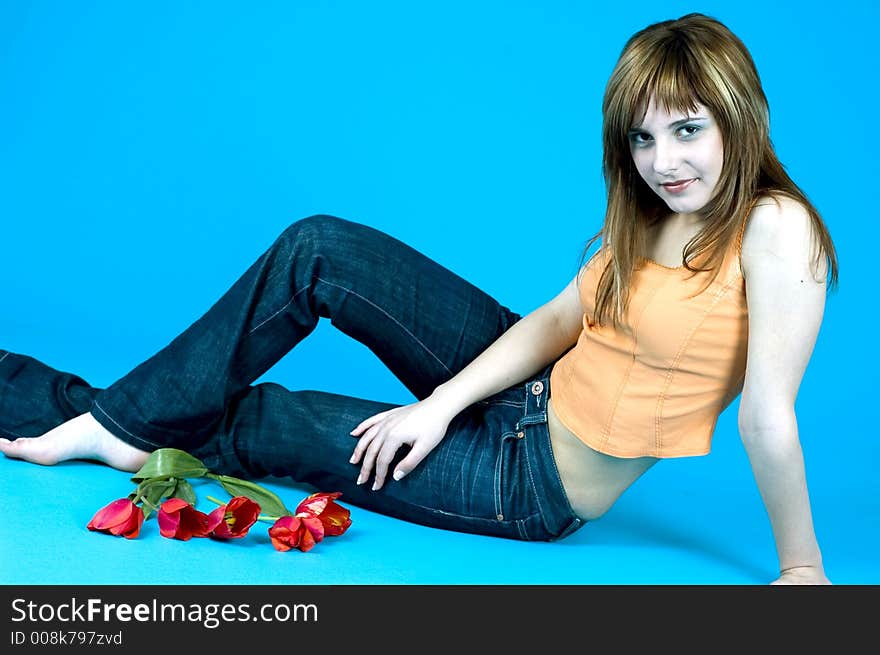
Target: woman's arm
529	345
786	303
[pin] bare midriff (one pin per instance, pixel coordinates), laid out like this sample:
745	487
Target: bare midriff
592	480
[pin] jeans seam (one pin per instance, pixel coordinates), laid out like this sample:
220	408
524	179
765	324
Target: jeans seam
286	305
506	437
133	436
4	357
532	480
366	300
402	326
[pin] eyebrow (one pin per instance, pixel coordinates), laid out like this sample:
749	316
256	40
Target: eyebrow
673	124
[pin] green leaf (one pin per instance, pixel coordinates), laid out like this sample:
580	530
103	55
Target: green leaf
270	504
154	491
184	490
166	462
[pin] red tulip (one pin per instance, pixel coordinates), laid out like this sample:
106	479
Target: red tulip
121	517
302	531
234	519
180	520
334	517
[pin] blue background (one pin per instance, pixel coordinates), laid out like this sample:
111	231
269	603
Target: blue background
151	151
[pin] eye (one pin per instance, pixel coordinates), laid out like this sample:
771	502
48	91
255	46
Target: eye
689	130
640	138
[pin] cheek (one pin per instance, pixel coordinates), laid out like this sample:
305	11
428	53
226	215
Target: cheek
716	157
642	163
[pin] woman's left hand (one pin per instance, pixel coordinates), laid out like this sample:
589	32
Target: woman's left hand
803	575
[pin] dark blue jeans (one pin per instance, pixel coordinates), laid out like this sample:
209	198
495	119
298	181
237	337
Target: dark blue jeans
492	474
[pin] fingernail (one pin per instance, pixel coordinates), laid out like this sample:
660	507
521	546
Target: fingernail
375	486
352	460
398	475
360	479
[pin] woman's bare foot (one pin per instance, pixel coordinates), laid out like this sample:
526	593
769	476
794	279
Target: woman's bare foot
81	437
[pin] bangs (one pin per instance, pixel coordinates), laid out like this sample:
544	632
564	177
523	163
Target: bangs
666	72
670	82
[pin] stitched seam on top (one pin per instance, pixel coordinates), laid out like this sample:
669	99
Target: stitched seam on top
4	357
286	305
498	480
476	467
606	430
670	372
366	300
532	480
139	438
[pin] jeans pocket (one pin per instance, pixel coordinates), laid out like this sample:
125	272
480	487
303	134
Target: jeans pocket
514	498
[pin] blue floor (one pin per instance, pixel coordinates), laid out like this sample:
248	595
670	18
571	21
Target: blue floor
675	526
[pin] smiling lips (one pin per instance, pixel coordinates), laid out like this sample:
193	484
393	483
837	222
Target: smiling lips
678	186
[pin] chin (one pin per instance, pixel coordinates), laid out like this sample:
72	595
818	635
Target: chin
685	206
682	208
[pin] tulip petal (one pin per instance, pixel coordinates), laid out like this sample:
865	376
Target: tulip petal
168	523
216	522
285	533
132	527
314	526
180	520
336	519
233	520
306	542
317	502
119	518
174	505
111	514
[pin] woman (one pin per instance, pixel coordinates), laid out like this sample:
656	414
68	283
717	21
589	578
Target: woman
643	349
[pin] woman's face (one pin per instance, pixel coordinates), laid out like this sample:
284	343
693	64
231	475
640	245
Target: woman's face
678	155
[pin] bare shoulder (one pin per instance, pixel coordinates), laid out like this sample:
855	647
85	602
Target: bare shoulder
779	233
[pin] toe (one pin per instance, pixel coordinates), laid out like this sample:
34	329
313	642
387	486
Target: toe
31	449
11	448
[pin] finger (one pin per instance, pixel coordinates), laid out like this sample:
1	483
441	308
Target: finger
413	458
383	460
370	458
364	442
367	422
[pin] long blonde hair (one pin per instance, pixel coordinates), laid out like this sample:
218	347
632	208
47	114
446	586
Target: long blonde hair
678	63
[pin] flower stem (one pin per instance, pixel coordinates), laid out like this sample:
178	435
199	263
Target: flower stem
214	500
147	502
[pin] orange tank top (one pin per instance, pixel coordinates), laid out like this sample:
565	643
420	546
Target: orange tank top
657	386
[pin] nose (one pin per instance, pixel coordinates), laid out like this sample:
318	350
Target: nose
666	157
